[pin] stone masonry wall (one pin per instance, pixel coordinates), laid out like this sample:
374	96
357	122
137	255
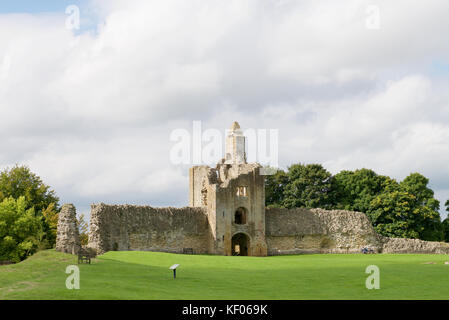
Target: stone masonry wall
144	228
288	231
399	245
295	231
67	238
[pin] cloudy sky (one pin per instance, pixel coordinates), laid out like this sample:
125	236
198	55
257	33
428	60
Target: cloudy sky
349	84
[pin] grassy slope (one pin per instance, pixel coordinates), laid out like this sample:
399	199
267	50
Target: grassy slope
145	275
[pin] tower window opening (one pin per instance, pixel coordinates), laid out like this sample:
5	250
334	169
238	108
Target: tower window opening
240	216
242	191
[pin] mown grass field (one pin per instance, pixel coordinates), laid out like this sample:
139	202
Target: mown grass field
145	275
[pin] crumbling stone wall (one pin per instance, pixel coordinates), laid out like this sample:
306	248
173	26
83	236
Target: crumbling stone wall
294	231
144	228
288	231
399	245
67	238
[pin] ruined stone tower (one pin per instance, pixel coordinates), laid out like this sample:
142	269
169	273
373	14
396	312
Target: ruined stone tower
67	238
233	194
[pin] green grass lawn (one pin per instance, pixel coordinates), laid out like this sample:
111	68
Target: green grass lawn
145	275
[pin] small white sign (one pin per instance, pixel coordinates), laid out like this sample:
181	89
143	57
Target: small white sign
173	267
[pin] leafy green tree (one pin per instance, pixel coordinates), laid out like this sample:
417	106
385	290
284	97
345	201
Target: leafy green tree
308	186
83	229
445	223
445	227
274	188
20	230
392	215
417	185
407	209
354	190
50	224
18	182
400	214
426	204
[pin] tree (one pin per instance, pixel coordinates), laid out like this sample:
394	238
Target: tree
407	209
445	227
274	188
445	223
83	229
20	230
417	185
400	214
308	186
50	224
354	190
18	182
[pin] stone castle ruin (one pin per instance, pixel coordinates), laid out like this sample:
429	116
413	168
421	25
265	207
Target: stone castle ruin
67	237
227	216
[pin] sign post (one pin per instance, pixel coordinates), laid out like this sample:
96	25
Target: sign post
173	267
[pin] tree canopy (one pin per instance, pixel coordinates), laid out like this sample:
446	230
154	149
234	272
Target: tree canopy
445	223
354	190
301	186
21	230
405	209
27	189
19	181
274	188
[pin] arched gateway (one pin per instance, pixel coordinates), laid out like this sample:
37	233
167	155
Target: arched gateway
240	244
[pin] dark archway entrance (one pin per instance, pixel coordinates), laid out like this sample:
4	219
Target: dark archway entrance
240	244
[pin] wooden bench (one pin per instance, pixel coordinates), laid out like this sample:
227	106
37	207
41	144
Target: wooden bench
84	256
187	250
